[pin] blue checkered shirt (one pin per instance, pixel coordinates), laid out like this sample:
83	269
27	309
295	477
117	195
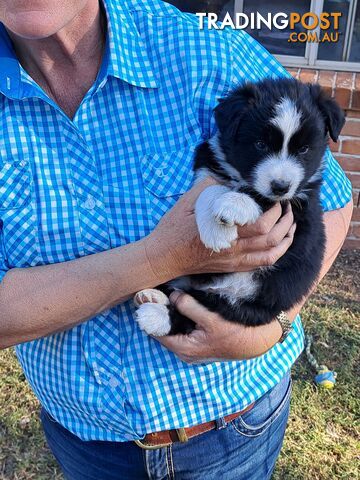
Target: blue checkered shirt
70	188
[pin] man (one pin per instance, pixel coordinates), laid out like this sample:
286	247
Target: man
102	105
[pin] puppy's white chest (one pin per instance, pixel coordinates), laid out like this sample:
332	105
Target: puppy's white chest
234	286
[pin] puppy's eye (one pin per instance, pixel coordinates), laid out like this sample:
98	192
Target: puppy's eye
303	150
261	146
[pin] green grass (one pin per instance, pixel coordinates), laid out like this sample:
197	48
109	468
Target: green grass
322	440
23	452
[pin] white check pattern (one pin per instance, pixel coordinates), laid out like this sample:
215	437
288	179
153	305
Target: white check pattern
73	188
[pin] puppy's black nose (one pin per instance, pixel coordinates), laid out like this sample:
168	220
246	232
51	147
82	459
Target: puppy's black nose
280	187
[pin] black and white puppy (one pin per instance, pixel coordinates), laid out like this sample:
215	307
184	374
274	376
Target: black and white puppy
270	145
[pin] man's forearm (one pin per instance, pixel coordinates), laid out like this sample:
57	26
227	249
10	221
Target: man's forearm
38	301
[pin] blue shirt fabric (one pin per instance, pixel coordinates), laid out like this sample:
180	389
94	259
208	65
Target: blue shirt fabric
70	188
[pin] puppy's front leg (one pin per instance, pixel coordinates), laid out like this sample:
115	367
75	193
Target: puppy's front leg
218	211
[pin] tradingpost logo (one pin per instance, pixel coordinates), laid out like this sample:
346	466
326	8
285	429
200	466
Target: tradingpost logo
316	26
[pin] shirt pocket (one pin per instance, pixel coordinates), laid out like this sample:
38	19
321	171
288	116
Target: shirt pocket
166	176
19	223
15	184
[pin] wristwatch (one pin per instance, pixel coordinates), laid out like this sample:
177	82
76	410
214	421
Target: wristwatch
286	325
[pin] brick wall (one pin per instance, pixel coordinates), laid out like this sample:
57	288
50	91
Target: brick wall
345	88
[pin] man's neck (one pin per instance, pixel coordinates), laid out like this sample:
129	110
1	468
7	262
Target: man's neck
73	54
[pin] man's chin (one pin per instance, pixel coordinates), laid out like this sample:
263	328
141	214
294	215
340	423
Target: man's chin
32	25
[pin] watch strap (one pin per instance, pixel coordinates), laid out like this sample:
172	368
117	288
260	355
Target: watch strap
286	325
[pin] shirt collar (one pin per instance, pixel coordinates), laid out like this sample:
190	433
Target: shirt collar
126	55
9	71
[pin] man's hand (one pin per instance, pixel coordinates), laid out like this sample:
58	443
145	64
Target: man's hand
216	338
174	248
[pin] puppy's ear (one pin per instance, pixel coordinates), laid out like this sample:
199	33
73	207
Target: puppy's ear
230	111
333	115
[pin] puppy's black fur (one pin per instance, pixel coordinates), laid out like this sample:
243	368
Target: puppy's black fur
247	138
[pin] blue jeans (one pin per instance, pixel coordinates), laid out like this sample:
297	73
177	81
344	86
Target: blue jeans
244	449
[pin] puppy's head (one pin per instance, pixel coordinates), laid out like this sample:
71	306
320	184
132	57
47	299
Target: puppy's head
274	133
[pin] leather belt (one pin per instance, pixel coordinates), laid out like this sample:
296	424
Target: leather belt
168	437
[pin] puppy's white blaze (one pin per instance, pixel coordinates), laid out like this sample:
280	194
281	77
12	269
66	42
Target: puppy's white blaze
276	168
154	319
287	119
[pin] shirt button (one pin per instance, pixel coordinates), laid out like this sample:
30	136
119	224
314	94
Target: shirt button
114	382
102	84
160	172
90	203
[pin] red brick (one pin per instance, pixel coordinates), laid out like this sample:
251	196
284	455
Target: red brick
357	81
351	146
341	85
326	80
344	80
351	244
351	128
355	104
350	164
356	198
343	96
354	230
353	114
334	147
308	76
354	179
356	214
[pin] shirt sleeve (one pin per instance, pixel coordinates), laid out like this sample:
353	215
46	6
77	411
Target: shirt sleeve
336	189
252	62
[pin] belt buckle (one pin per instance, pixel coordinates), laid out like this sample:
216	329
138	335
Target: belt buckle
180	432
182	435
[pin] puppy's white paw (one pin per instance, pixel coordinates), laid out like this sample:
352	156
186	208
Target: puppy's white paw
217	237
236	208
151	295
154	319
213	235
